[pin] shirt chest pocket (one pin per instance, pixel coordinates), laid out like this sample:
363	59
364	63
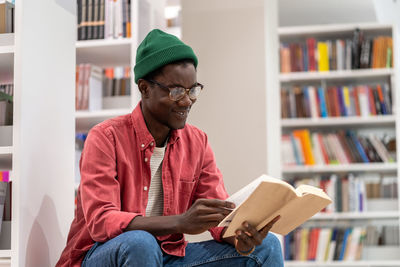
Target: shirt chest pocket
186	190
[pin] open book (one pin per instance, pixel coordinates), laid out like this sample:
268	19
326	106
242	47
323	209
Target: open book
266	197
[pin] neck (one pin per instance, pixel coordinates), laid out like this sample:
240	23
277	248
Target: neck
159	131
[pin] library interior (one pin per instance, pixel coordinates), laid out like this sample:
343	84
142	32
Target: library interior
312	82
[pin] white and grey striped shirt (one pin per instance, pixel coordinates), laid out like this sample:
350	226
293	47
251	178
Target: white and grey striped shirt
155	203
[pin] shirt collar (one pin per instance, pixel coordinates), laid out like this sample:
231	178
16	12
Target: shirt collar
143	134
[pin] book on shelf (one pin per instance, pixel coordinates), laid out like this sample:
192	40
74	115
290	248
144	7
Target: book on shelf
5	196
103	19
93	84
267	197
6	104
6	17
340	147
336	101
337	243
360	51
354	193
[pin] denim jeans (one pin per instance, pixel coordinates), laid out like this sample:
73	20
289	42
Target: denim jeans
140	248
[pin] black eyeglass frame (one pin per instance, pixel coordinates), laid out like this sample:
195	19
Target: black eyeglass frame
187	90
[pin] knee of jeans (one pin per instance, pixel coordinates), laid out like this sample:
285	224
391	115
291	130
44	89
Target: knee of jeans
141	242
272	244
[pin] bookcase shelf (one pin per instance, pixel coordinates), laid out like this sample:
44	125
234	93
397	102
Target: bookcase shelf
87	119
378	125
5	253
335	75
332	29
357	215
341	168
344	263
382	120
107	52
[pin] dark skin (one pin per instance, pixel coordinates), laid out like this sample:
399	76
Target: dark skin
161	116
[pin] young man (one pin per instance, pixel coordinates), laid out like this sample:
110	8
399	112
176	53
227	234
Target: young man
147	178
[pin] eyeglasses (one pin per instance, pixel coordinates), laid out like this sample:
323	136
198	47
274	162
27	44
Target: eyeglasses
176	93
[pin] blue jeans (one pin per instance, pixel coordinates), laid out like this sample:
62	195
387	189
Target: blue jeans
140	248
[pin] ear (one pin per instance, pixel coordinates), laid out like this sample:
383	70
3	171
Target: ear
144	88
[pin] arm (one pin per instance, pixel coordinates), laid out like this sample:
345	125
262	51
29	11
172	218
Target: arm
202	215
100	190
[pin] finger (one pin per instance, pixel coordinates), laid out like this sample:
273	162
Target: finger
217	218
265	229
252	232
246	240
216	203
213	210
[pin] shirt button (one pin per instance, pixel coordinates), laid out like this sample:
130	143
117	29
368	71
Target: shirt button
151	144
142	145
145	188
145	159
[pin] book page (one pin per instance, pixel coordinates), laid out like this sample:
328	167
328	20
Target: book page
243	194
309	189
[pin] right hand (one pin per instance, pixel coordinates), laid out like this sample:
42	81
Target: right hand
203	215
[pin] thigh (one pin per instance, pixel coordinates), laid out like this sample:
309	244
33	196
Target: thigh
132	248
214	254
208	253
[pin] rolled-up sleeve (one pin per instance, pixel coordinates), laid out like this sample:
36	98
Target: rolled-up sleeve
100	189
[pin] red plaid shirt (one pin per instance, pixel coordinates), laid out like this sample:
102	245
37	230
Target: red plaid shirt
115	178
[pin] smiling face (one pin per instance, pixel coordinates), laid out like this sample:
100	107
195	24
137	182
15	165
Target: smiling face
160	112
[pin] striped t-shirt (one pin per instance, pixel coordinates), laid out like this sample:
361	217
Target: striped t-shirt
155	203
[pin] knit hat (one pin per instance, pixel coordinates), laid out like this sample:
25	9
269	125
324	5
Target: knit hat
159	49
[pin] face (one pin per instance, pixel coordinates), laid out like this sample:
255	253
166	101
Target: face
159	110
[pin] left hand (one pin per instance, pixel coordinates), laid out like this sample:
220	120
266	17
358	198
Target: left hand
248	238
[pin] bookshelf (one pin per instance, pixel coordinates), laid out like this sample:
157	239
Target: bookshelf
378	124
7	49
38	59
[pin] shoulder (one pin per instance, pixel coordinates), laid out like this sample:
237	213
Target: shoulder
110	126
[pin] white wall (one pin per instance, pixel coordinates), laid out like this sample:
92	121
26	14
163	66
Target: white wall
228	38
43	156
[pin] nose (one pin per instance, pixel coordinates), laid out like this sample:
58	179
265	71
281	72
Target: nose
185	101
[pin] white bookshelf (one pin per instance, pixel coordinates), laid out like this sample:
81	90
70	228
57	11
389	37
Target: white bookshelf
105	52
381	120
340	168
7	50
378	123
39	58
344	263
335	75
87	119
357	215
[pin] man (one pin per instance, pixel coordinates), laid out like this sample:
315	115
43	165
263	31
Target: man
147	178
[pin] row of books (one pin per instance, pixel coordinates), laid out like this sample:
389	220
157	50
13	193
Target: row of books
336	244
93	83
6	104
104	19
337	54
350	193
336	101
6	17
343	147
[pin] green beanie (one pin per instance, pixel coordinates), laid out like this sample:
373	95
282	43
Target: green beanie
159	49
